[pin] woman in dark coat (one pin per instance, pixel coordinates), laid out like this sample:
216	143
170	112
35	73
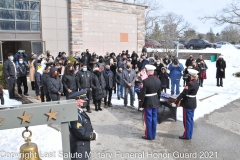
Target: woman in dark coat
164	79
221	66
69	80
98	88
202	72
44	88
54	85
158	66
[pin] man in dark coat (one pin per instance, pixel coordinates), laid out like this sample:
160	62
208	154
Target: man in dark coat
129	76
166	60
110	84
84	81
44	89
81	134
144	62
86	56
22	71
158	66
189	103
221	66
189	61
149	100
98	88
144	50
10	73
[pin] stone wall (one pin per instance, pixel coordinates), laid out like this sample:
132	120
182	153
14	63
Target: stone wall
76	19
184	55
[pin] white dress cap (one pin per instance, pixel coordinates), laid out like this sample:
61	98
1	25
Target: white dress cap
192	72
150	67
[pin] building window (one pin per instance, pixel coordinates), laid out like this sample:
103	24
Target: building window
20	15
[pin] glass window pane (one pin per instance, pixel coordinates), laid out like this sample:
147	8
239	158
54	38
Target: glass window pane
7	25
6	4
37	47
22	15
35	26
24	26
35	16
34	6
6	14
22	5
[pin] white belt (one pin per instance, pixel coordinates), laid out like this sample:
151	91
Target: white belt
192	96
152	94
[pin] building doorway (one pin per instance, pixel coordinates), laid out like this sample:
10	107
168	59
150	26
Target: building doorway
13	46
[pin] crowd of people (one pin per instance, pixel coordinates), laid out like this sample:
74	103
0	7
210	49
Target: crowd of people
101	76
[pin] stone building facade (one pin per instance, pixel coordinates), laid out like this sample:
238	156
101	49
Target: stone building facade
106	26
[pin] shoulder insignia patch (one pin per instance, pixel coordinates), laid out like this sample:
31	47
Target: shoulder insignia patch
79	125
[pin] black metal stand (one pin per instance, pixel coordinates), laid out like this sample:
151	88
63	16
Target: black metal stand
166	111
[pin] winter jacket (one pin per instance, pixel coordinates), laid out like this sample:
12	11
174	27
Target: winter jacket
119	78
202	67
143	63
189	62
138	82
9	69
38	78
69	82
134	58
166	61
44	80
54	84
18	55
84	79
175	70
158	68
129	77
22	69
220	65
164	79
109	79
86	57
98	86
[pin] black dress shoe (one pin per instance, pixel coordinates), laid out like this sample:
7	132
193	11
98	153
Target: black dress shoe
89	111
96	109
109	104
100	109
181	137
26	94
143	137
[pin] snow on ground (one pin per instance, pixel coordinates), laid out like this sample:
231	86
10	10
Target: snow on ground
9	102
49	140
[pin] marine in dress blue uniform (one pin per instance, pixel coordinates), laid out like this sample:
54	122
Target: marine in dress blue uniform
189	104
149	100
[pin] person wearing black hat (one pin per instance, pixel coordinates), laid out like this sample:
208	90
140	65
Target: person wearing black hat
189	103
84	81
81	131
22	71
10	73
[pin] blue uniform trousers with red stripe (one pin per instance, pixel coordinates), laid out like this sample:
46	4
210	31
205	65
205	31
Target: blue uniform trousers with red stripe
150	119
188	122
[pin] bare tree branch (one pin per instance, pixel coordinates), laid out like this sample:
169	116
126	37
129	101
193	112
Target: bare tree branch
228	15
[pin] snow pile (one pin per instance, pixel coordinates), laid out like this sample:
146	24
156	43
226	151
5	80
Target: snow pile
9	102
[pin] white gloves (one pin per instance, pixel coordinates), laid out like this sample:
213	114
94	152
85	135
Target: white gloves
95	134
